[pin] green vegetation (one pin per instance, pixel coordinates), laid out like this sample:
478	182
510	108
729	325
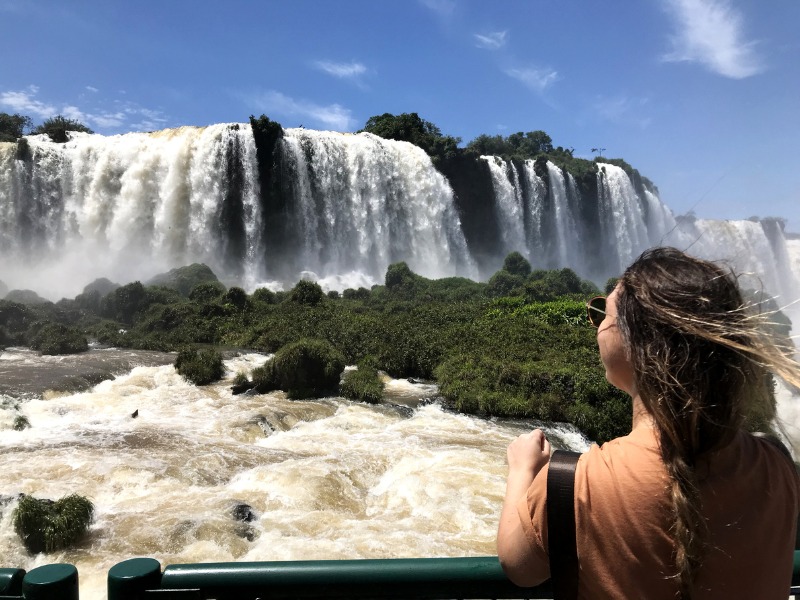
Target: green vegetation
57	128
47	526
201	367
308	293
56	338
12	127
409	127
363	384
308	368
185	279
524	350
530	354
517	145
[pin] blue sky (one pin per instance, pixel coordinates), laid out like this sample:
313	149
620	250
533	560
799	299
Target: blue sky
702	96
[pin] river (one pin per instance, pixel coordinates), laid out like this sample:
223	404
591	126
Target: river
326	479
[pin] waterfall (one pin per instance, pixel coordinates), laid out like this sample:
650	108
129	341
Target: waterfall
343	208
622	216
360	203
535	225
564	194
129	206
509	202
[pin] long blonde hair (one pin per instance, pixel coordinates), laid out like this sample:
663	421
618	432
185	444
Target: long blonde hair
703	364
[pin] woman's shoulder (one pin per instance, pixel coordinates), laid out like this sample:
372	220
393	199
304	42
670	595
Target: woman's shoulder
633	458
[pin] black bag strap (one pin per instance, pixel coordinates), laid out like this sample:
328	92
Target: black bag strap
561	524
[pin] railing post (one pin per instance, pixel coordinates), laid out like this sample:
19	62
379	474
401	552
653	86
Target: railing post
51	581
11	582
130	578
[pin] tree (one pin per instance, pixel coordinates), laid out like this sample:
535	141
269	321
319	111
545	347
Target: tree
12	127
410	127
517	145
516	264
57	127
493	145
307	292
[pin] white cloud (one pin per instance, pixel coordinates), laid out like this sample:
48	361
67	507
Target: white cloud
350	70
334	116
75	113
536	79
24	102
491	41
128	117
92	89
109	120
710	32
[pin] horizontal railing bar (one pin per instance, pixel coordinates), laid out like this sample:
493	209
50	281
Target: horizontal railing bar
428	578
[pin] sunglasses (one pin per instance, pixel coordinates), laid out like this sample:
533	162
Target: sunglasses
596	308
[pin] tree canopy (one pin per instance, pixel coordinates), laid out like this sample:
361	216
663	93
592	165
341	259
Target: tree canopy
12	127
410	127
57	127
516	145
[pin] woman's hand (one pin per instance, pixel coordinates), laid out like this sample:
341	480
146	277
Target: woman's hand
528	453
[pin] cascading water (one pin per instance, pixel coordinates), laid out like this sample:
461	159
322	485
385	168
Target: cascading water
128	207
567	237
361	203
131	206
558	231
510	204
622	218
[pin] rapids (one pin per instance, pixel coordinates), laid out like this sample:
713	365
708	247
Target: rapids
328	479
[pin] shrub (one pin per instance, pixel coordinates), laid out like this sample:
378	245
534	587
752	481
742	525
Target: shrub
206	292
241	383
47	526
516	264
363	384
55	338
307	292
200	367
308	368
57	127
264	378
504	283
265	295
124	302
237	297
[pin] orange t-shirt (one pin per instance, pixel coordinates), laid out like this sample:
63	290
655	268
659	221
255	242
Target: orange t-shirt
750	495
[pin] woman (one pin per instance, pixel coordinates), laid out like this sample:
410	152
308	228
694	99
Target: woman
688	505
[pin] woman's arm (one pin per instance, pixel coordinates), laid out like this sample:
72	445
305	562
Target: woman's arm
526	457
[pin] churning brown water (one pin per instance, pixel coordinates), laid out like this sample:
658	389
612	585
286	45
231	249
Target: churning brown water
327	479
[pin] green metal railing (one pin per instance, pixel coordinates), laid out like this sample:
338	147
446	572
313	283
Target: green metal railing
419	578
432	578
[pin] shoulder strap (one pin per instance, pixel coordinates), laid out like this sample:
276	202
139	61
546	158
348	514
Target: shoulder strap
561	524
